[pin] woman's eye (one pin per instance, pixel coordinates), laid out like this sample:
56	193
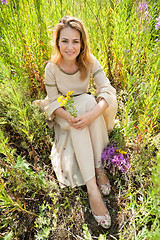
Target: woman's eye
65	41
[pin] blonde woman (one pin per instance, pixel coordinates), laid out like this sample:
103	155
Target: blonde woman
79	141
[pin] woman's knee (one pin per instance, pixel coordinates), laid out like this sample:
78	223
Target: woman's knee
90	103
87	103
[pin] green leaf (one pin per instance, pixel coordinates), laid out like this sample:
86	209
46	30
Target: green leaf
102	237
8	236
87	235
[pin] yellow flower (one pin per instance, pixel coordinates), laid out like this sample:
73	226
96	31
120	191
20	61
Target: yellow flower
67	97
121	151
63	102
69	93
68	102
60	98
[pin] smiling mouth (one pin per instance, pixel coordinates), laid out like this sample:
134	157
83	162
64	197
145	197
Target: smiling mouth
70	53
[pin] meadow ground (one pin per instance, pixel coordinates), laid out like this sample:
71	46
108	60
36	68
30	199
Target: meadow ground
125	37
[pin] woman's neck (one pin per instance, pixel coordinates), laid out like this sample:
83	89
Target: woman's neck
68	66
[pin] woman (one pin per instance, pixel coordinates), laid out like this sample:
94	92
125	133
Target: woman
79	141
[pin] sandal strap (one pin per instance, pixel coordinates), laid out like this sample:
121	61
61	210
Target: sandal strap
104	221
105	188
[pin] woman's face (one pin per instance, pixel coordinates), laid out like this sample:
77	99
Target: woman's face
69	43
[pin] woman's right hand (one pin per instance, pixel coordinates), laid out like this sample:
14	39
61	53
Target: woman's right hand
66	115
71	120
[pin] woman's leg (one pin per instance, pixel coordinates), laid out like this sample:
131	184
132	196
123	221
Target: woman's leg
99	139
84	152
95	199
89	143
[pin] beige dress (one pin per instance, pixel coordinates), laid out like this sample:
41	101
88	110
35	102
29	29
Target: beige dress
76	153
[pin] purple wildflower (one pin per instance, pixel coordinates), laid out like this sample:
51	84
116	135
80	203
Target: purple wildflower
147	16
158	23
115	159
143	6
116	2
4	2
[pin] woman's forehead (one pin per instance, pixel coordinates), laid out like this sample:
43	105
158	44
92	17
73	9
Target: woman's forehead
69	32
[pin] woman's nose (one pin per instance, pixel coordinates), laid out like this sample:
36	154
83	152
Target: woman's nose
70	46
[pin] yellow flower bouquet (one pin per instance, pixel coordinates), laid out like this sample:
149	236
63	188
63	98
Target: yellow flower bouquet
68	103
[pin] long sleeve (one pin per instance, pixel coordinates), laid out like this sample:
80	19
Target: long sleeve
52	91
50	103
106	91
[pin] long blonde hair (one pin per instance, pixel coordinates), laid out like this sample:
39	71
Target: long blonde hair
83	59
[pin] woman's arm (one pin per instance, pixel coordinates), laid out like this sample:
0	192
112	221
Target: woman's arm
87	118
65	115
62	113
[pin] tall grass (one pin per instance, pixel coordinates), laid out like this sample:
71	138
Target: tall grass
123	37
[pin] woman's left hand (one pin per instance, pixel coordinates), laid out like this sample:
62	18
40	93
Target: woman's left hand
82	121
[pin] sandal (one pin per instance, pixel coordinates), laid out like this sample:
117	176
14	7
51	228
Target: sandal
103	221
105	188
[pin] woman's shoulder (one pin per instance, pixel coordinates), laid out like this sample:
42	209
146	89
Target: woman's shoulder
95	63
49	66
49	72
93	58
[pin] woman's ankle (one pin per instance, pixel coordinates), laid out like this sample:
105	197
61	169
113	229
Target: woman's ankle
101	176
92	186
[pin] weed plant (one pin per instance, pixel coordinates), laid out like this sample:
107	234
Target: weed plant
125	37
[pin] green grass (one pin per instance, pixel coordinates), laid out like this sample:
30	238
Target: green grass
125	42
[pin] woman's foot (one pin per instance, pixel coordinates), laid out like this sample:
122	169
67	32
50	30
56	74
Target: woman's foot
96	202
103	221
99	210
